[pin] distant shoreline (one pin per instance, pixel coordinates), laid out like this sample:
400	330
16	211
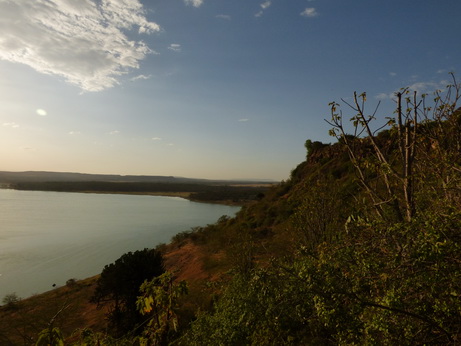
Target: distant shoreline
178	194
184	195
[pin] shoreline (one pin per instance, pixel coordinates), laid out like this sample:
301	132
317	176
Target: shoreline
184	195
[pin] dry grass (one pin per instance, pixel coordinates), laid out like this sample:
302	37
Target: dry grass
20	324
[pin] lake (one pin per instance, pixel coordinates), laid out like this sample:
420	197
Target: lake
47	238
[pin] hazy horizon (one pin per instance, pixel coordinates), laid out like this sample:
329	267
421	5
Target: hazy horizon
203	89
143	175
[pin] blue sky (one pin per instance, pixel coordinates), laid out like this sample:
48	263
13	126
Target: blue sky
212	89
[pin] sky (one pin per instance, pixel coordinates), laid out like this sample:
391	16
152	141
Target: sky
213	89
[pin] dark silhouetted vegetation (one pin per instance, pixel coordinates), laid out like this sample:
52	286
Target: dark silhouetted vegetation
118	286
236	194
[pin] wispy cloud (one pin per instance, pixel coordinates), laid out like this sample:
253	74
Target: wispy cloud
264	6
243	120
83	41
115	132
195	3
309	12
423	87
175	47
384	96
420	87
392	74
141	76
156	139
74	133
223	16
11	124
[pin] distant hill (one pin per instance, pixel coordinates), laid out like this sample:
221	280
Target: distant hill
44	176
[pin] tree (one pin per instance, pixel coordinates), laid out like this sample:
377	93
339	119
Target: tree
119	285
390	180
11	300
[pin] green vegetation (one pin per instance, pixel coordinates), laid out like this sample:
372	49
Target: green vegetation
159	300
362	245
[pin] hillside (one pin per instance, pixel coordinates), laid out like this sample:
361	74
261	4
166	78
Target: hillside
38	176
361	245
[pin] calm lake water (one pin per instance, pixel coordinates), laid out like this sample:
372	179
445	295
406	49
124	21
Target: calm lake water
47	238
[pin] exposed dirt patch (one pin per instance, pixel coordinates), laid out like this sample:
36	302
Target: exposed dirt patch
186	262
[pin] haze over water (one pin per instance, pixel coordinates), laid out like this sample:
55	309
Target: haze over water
47	238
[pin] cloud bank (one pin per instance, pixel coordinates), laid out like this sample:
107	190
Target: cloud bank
83	41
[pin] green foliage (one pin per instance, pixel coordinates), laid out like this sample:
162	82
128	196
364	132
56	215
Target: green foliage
87	337
251	311
316	219
159	301
50	337
119	285
404	276
398	284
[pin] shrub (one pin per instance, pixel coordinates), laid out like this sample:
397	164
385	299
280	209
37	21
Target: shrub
11	300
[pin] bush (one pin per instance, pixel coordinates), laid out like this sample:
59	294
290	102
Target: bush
313	146
11	300
71	282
